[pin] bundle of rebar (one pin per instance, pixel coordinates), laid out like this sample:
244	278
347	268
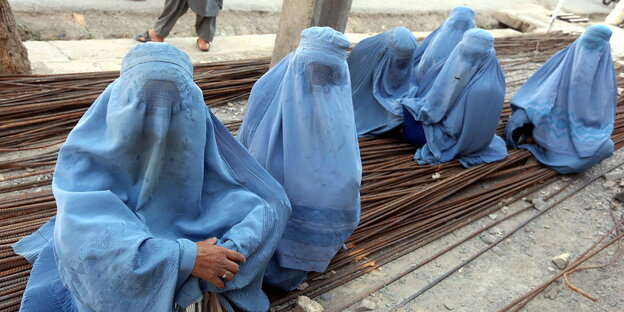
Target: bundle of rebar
404	205
40	110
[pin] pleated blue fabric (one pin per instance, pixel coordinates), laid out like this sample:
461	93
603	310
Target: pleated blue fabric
460	112
381	70
300	126
146	172
436	48
568	106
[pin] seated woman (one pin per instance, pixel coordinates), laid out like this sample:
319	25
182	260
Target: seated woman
564	113
457	117
300	127
436	48
381	70
157	202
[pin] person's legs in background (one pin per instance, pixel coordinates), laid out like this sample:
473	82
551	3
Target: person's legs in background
205	27
173	10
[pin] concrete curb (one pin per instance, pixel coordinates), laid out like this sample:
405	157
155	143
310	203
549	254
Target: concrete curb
75	56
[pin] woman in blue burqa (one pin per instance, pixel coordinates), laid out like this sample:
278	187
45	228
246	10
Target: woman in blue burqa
300	127
157	202
457	117
564	113
432	53
381	68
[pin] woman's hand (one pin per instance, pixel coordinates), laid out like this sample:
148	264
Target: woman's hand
215	262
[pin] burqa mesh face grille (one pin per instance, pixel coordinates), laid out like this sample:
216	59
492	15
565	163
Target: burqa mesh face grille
321	74
162	94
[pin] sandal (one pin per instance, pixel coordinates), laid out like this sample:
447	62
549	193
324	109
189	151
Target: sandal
144	37
203	50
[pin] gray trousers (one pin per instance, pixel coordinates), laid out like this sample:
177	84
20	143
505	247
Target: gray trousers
204	25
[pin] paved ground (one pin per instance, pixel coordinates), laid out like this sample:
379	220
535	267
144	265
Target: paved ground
53	20
580	6
67	56
240	34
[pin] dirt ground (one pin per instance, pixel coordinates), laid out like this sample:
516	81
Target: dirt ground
513	267
516	265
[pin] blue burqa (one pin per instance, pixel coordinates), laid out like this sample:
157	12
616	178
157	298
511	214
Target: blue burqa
381	68
460	112
146	172
432	53
300	127
568	105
